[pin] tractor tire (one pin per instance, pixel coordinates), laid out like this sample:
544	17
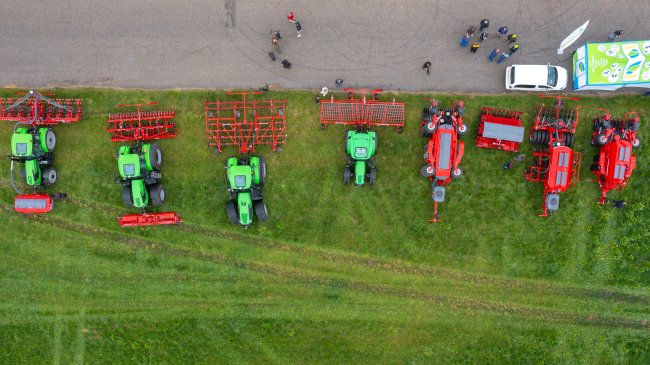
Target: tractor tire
462	130
428	171
546	137
372	178
127	198
260	210
456	173
49	176
157	195
428	129
601	139
533	137
376	140
231	211
636	143
262	171
50	140
347	174
568	139
155	156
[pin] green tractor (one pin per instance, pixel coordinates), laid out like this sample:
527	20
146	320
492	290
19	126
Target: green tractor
245	178
140	176
33	147
360	146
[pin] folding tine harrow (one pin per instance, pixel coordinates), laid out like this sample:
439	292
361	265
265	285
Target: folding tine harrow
500	129
33	143
140	164
557	166
360	142
246	124
444	151
614	163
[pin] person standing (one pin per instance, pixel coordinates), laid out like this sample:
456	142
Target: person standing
484	24
475	47
470	31
298	28
427	66
512	38
503	57
463	41
502	31
495	53
291	17
615	35
514	49
286	64
483	36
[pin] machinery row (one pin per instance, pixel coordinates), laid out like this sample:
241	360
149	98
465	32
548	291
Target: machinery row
246	124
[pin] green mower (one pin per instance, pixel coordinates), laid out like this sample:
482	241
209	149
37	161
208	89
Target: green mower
361	147
245	178
140	176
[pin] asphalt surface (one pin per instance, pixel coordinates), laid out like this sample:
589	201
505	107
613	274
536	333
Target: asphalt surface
224	43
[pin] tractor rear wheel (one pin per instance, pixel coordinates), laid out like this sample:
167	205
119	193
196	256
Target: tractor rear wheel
50	140
262	171
428	171
456	173
127	198
260	210
601	139
347	174
636	143
157	194
49	176
231	211
155	156
372	178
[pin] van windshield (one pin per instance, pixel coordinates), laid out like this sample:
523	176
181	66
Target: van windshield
552	76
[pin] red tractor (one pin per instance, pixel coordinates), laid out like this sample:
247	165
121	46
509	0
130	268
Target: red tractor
444	150
557	166
614	164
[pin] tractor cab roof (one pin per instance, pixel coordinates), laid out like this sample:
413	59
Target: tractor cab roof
361	145
240	177
22	144
129	165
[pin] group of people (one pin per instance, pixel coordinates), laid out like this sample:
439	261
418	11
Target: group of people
275	39
496	53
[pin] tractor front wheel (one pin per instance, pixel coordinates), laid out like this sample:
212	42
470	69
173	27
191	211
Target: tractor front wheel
127	198
231	211
260	210
157	194
601	139
428	129
428	171
49	176
347	174
636	143
50	140
372	178
462	130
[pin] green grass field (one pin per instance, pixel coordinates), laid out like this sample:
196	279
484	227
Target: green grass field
338	274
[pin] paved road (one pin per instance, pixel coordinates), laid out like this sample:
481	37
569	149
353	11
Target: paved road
224	43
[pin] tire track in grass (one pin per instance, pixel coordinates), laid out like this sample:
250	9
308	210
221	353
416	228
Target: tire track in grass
358	286
396	266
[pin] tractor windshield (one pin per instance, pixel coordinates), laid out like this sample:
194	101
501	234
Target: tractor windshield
240	181
361	152
129	169
21	148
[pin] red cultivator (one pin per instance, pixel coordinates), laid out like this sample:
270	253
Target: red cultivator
557	166
362	112
500	129
444	150
614	164
245	124
141	184
33	143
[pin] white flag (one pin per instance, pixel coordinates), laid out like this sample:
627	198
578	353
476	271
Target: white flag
572	37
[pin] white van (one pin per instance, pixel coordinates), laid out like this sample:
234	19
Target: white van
536	77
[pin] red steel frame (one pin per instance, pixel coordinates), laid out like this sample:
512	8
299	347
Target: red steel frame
498	116
362	112
246	124
142	126
37	109
546	166
618	136
457	111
